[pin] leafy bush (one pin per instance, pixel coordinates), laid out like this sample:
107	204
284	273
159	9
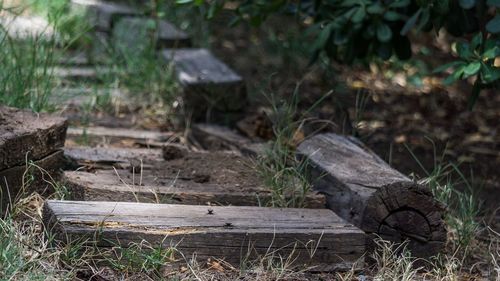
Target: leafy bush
347	30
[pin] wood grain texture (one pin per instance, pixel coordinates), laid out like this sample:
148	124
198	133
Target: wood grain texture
363	189
14	180
103	15
124	185
209	84
108	135
25	135
216	137
165	34
314	237
107	158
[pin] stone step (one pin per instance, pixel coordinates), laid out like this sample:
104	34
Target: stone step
316	239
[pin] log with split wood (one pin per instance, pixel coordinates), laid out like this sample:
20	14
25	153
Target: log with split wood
366	191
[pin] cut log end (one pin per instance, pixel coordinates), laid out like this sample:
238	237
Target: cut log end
406	211
366	191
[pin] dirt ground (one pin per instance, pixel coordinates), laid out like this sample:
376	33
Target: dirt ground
390	115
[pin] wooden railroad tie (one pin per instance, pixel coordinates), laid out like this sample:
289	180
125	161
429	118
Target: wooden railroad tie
27	137
142	175
131	30
103	15
212	90
316	238
120	136
216	137
364	190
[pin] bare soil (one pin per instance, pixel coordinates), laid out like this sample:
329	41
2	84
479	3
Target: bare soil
221	168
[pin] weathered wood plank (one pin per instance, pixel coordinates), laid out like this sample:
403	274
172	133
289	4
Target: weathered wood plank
25	135
107	158
75	98
153	187
210	86
76	74
16	180
127	137
363	189
103	15
134	32
316	238
216	137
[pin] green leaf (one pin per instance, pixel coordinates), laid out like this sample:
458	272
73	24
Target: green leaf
359	15
384	32
426	15
183	1
491	53
457	74
490	73
467	4
476	89
411	22
375	9
493	25
399	3
323	36
472	69
392	16
493	3
476	41
445	67
463	50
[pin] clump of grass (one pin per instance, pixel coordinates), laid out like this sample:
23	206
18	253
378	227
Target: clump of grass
285	175
394	262
140	257
463	206
135	66
26	79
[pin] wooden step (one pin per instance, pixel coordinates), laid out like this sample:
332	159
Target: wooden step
25	135
210	86
315	238
79	74
76	98
122	137
194	178
34	176
145	186
138	31
107	158
103	15
363	189
216	137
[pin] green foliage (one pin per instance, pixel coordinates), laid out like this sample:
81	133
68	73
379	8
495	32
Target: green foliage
352	30
141	257
26	80
287	177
